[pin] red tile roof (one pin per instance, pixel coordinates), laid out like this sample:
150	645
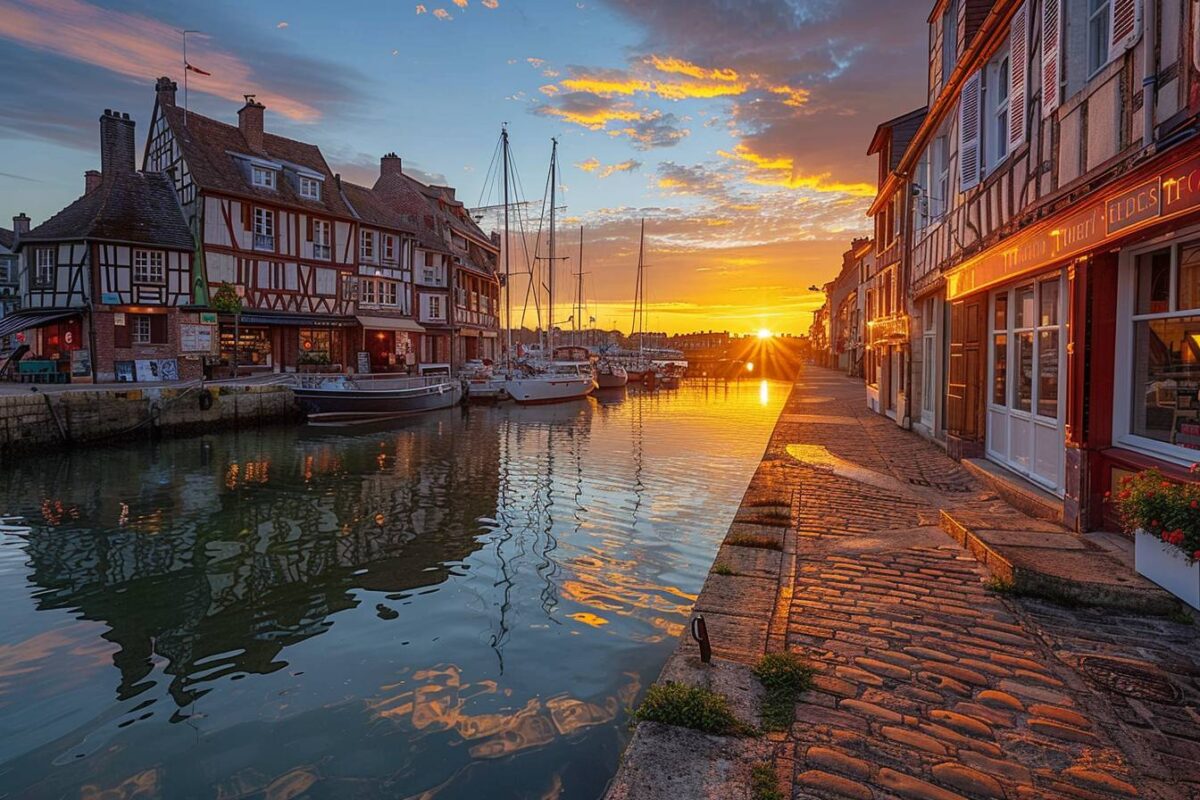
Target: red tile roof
374	210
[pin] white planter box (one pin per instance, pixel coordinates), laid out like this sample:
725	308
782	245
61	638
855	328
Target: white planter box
1167	566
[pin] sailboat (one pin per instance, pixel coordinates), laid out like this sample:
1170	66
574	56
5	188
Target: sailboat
564	376
636	365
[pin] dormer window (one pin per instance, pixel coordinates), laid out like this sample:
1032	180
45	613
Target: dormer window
262	177
310	188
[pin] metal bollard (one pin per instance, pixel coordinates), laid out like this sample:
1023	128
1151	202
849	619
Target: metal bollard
700	634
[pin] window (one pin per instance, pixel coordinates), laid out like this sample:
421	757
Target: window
262	176
264	229
389	248
1165	389
949	40
435	306
366	245
310	188
377	292
1026	348
928	359
43	274
941	174
1097	35
320	239
997	96
5	270
148	266
147	328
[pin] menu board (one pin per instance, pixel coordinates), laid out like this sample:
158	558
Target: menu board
364	363
81	363
195	338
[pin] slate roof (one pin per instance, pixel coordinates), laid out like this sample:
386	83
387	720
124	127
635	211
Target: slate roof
207	146
133	207
6	238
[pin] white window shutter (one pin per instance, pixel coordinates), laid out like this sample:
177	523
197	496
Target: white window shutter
968	133
1124	25
1051	54
1018	73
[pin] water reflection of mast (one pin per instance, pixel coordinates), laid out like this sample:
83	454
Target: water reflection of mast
501	635
639	488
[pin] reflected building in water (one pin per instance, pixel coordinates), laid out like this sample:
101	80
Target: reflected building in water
264	550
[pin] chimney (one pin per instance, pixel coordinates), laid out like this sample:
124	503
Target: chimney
165	88
20	224
390	164
250	123
116	144
91	180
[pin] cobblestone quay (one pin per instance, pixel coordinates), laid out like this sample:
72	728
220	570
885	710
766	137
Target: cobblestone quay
929	685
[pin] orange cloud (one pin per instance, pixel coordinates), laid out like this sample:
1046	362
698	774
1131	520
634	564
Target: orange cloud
460	3
549	89
606	87
591	165
134	46
782	171
680	67
491	3
442	14
594	118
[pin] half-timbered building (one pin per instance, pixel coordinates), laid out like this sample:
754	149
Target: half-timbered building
271	224
10	282
1056	226
104	282
388	332
888	352
432	270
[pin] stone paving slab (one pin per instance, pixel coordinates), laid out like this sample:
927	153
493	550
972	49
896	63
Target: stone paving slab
929	685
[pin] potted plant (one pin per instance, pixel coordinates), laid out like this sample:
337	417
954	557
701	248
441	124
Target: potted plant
1164	518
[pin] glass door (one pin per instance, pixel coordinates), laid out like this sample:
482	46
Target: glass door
1026	360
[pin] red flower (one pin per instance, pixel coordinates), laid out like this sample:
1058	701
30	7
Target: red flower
1165	484
1124	495
1195	504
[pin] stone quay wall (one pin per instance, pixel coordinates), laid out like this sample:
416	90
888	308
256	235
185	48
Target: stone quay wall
38	420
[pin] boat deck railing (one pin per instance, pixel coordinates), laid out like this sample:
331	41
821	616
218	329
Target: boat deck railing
370	381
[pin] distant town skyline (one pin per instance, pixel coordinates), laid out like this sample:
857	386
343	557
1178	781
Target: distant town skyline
737	130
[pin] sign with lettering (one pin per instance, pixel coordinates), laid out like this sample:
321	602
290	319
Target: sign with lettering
1174	191
364	363
196	338
208	318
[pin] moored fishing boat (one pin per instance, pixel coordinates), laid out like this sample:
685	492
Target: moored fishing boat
372	395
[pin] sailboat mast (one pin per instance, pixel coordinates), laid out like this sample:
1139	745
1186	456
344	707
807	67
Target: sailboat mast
550	288
579	291
640	313
508	344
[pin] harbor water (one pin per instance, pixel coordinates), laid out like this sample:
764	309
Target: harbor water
459	605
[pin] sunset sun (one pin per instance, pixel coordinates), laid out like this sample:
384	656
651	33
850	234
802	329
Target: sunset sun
764	333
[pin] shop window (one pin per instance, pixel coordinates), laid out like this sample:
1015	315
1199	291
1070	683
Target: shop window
316	346
1165	403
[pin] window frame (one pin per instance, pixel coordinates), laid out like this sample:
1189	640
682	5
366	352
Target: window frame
43	273
997	106
1097	19
1127	319
147	277
269	179
306	181
322	233
366	245
264	228
949	40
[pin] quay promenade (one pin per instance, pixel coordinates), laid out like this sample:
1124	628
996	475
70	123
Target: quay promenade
934	680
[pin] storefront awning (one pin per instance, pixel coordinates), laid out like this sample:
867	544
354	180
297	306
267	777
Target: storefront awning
390	324
30	318
296	320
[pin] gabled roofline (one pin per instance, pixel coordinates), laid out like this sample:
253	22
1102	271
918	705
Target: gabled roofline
987	40
877	140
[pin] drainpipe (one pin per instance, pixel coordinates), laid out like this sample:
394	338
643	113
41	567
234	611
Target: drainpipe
1149	74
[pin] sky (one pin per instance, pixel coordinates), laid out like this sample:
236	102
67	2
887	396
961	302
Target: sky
737	129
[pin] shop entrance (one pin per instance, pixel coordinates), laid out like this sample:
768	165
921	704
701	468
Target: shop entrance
1025	374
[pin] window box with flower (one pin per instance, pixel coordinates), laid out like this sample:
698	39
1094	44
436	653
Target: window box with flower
1165	519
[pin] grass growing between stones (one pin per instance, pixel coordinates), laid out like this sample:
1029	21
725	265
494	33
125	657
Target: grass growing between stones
722	569
761	541
785	677
690	707
764	785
